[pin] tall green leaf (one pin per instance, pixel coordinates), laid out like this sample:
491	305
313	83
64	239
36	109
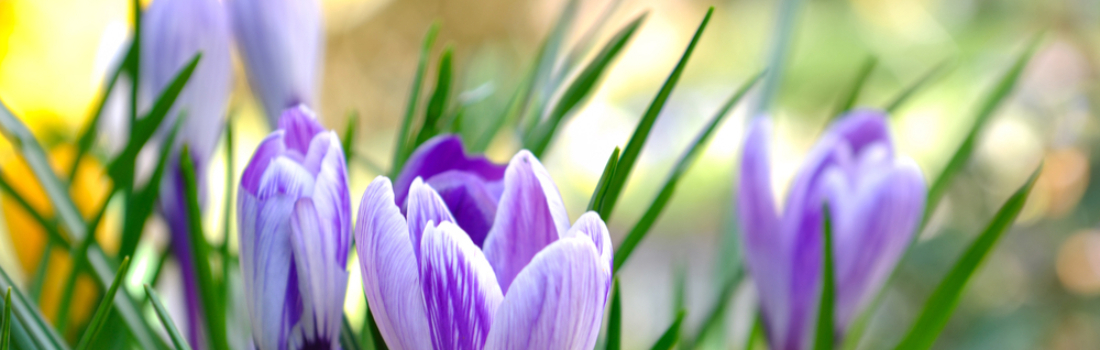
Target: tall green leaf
166	319
438	102
80	258
937	310
376	335
579	89
227	206
641	132
211	304
778	53
400	151
87	136
849	99
993	100
925	79
30	318
686	161
5	331
721	303
601	186
823	336
615	318
349	137
672	335
347	336
104	308
48	225
141	203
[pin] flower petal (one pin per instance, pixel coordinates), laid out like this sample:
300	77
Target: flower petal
591	226
862	127
322	278
438	155
271	147
460	289
325	159
557	302
471	199
267	264
391	278
530	216
425	208
300	125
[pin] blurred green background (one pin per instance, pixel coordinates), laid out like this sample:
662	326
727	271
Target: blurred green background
1038	290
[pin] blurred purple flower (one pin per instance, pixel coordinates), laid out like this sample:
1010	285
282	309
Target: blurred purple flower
534	283
281	42
875	198
173	32
294	218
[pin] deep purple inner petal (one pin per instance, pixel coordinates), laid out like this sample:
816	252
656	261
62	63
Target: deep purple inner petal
442	154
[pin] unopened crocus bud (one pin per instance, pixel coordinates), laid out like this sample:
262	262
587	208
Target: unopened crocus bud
875	199
293	220
534	282
281	43
173	31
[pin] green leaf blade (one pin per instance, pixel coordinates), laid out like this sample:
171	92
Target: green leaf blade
615	320
104	307
211	305
5	333
823	336
634	147
601	186
166	319
854	89
438	102
400	153
672	335
940	305
910	91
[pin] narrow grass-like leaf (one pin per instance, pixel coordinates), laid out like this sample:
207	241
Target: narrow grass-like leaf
121	169
438	103
211	303
48	225
87	136
104	308
940	305
686	161
227	208
140	204
133	63
928	77
349	137
579	89
601	186
641	132
35	289
850	98
376	335
166	319
1000	92
615	319
30	318
721	303
672	335
74	226
5	331
584	44
80	258
823	336
756	334
778	53
347	336
399	149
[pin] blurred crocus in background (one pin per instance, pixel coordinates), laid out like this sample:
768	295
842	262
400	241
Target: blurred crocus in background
535	282
281	43
875	198
294	219
174	31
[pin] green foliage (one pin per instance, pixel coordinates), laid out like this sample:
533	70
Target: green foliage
686	161
615	320
852	95
212	308
401	151
104	307
5	322
672	335
641	132
601	186
927	78
937	310
166	319
347	336
29	319
823	336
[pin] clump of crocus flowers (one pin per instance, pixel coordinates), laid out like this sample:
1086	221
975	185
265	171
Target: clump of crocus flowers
875	199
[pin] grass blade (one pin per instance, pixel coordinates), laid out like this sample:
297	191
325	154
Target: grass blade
937	310
121	169
615	319
133	63
778	53
718	312
166	319
641	132
5	332
686	161
376	335
223	249
1000	92
349	138
30	318
87	136
438	102
212	308
48	225
823	336
139	206
584	44
104	307
601	186
928	77
399	150
347	336
672	335
850	98
579	89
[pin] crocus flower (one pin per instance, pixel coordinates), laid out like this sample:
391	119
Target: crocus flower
534	283
294	218
173	32
875	199
281	43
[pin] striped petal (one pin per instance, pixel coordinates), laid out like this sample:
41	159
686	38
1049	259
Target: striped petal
442	154
391	278
530	216
460	290
322	278
557	302
425	208
591	226
471	199
325	160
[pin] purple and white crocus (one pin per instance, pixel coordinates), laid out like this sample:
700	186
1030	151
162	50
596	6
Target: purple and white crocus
294	222
875	198
534	282
174	31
